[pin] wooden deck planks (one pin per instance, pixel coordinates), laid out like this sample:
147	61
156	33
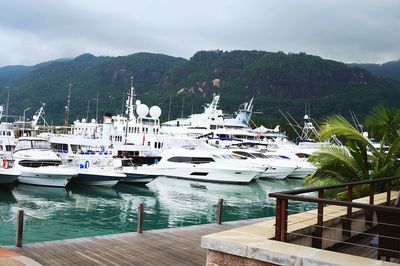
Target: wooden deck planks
174	246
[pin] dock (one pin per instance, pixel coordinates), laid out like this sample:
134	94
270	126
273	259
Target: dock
171	246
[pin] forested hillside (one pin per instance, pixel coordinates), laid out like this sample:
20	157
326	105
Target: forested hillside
275	80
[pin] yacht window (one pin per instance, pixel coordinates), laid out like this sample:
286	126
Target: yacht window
75	148
193	160
8	133
284	157
216	156
35	164
245	154
59	147
259	155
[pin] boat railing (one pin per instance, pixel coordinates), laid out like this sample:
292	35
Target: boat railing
356	212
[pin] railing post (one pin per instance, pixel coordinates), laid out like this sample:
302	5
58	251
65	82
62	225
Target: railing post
281	219
140	218
219	214
20	228
347	221
278	219
389	191
284	220
369	215
317	239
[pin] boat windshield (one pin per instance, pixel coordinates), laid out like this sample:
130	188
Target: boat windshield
32	144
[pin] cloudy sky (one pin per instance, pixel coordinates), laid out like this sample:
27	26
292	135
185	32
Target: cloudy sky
350	31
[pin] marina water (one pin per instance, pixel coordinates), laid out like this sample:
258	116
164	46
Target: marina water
81	211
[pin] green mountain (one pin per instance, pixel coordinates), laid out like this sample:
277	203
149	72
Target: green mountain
275	80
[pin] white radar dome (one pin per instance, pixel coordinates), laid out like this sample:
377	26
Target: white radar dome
142	110
138	102
155	111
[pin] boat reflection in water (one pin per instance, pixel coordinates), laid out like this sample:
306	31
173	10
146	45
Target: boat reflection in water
187	202
79	211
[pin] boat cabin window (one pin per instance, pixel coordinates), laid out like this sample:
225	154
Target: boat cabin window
259	155
245	154
59	147
75	148
192	160
302	155
10	147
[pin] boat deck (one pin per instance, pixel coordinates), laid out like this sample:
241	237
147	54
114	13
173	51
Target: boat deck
172	246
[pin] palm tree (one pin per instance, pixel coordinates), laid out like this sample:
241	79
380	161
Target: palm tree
358	159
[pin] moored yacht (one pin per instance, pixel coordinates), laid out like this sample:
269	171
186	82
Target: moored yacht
200	165
38	164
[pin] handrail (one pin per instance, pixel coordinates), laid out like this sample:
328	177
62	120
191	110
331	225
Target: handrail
282	201
315	189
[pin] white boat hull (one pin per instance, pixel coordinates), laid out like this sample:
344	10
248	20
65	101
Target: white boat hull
51	176
210	174
97	177
277	172
142	174
8	176
302	172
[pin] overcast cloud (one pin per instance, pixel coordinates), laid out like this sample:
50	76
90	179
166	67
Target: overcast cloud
350	31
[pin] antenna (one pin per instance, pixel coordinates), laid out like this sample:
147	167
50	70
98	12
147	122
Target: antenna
169	108
97	106
87	110
67	107
8	102
183	104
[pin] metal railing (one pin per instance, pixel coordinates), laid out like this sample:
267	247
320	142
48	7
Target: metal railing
376	185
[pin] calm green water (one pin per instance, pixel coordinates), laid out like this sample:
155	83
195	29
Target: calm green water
80	211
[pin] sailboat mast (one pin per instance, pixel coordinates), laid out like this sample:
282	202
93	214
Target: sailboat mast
67	107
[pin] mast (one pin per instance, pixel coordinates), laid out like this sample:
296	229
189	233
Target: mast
169	107
97	106
87	110
8	103
183	104
129	108
67	107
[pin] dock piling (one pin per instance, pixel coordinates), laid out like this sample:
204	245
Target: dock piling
140	218
20	228
219	215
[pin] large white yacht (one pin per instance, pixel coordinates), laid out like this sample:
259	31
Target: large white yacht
38	164
200	165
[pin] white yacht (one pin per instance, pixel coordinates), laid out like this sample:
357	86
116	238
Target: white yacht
200	165
90	158
38	164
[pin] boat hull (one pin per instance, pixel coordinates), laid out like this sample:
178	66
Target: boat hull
97	177
8	177
210	174
277	172
50	176
139	175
